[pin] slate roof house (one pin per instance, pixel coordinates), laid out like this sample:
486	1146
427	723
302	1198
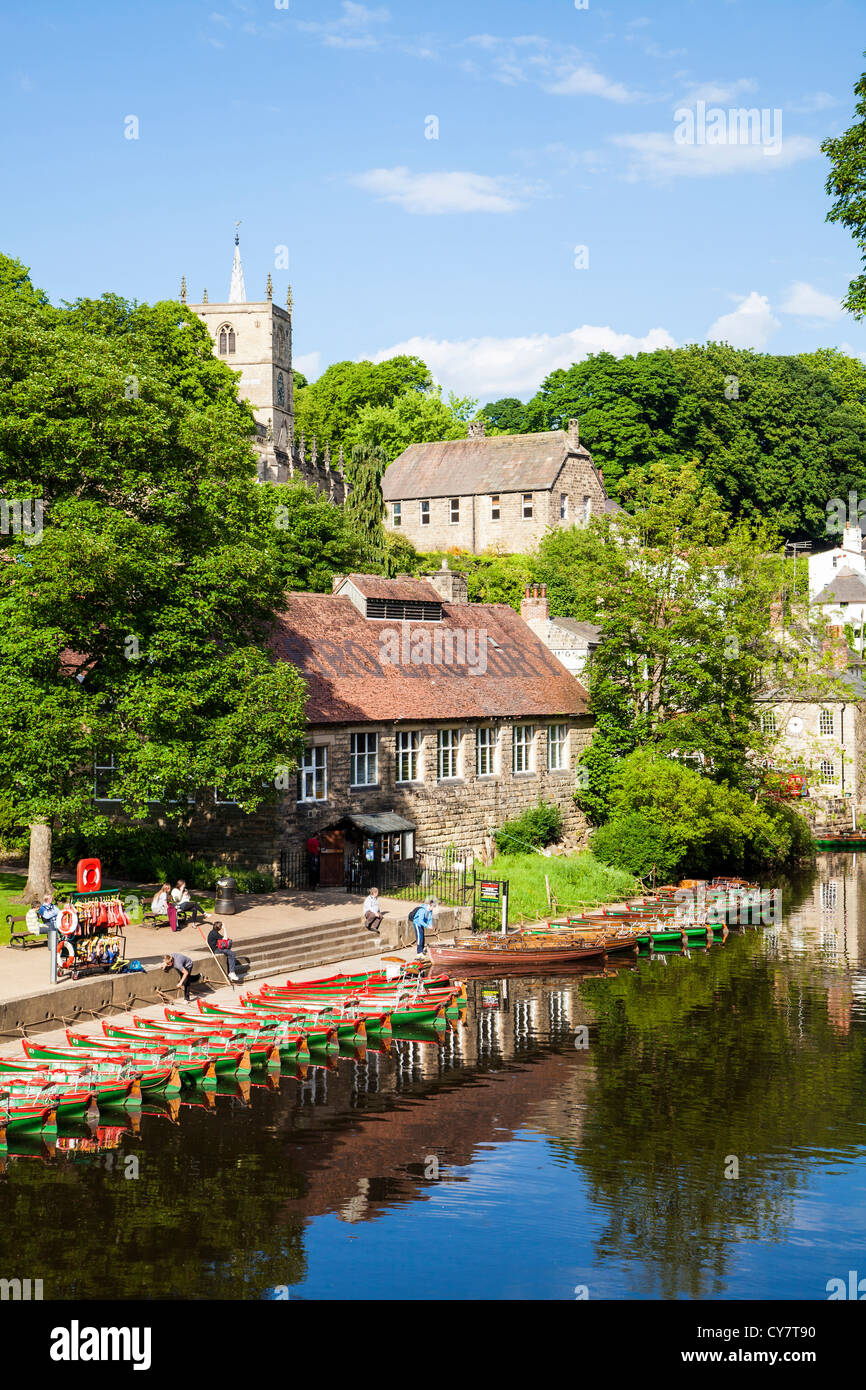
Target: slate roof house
503	492
430	721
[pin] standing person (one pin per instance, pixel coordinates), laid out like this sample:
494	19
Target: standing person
182	900
48	911
422	921
373	913
314	849
214	938
183	965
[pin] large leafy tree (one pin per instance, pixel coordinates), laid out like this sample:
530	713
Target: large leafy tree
683	595
414	417
775	437
846	183
505	416
329	406
134	634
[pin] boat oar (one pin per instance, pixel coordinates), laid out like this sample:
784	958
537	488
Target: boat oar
220	967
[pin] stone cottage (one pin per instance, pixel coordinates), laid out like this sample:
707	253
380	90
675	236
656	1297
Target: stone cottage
430	721
499	493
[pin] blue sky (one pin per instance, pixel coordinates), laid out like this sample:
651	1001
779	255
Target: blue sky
556	130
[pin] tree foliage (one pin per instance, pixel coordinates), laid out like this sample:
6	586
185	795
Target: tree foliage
136	628
775	437
846	182
328	407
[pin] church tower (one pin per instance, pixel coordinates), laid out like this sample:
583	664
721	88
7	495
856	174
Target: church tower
255	339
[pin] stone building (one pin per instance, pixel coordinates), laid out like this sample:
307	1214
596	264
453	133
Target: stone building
502	493
572	642
430	721
817	727
254	338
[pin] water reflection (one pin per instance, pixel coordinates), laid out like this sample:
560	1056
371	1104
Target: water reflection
707	1141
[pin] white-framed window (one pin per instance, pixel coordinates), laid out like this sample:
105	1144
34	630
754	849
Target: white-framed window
408	844
495	507
226	340
364	760
485	752
449	755
835	561
563	506
454	510
222	797
408	747
826	772
104	771
524	735
396	513
424	508
527	506
825	722
557	740
313	774
768	722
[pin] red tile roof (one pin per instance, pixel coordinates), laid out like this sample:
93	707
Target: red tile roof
362	670
407	590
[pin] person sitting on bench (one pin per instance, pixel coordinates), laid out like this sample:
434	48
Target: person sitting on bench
180	896
372	911
162	906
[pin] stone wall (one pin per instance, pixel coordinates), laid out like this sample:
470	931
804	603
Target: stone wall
456	812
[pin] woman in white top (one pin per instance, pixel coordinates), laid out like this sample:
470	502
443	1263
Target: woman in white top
180	895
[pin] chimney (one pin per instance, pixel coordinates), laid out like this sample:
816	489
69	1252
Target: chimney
574	434
450	586
836	648
535	606
475	429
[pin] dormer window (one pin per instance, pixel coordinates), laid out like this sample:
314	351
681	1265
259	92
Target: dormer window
226	340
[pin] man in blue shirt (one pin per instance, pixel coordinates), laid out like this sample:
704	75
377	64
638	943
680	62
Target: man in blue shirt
48	911
422	921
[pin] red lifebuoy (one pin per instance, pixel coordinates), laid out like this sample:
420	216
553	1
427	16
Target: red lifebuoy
65	955
67	922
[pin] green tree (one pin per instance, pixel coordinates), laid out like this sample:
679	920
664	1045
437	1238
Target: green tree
505	416
135	632
364	506
846	182
329	406
415	417
312	539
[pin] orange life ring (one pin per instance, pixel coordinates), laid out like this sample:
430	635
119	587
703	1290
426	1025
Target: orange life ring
65	955
67	923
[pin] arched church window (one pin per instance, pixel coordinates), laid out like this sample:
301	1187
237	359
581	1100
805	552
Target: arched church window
281	389
226	340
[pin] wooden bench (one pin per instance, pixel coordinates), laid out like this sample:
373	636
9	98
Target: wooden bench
24	937
157	920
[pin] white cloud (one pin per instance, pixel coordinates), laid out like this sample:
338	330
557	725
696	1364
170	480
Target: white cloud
533	58
719	91
585	81
750	325
807	302
656	155
815	101
458	191
309	363
352	29
493	367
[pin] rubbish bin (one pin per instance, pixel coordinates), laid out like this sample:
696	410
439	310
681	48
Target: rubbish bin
225	904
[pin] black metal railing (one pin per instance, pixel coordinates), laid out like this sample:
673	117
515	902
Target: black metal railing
294	869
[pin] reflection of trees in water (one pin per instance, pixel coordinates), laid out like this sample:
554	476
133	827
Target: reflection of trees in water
727	1053
205	1218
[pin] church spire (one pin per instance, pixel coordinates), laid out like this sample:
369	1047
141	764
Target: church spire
237	293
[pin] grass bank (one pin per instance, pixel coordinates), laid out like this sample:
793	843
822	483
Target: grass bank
579	880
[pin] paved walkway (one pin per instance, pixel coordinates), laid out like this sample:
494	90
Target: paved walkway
226	995
26	971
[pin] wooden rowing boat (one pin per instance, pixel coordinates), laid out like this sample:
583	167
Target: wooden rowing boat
519	951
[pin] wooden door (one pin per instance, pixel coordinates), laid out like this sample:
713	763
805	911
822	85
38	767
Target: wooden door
332	868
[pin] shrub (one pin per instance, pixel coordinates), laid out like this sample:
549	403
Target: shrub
638	842
537	826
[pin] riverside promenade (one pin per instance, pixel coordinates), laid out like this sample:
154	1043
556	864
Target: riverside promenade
302	932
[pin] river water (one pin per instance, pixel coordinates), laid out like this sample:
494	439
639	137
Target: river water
689	1126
